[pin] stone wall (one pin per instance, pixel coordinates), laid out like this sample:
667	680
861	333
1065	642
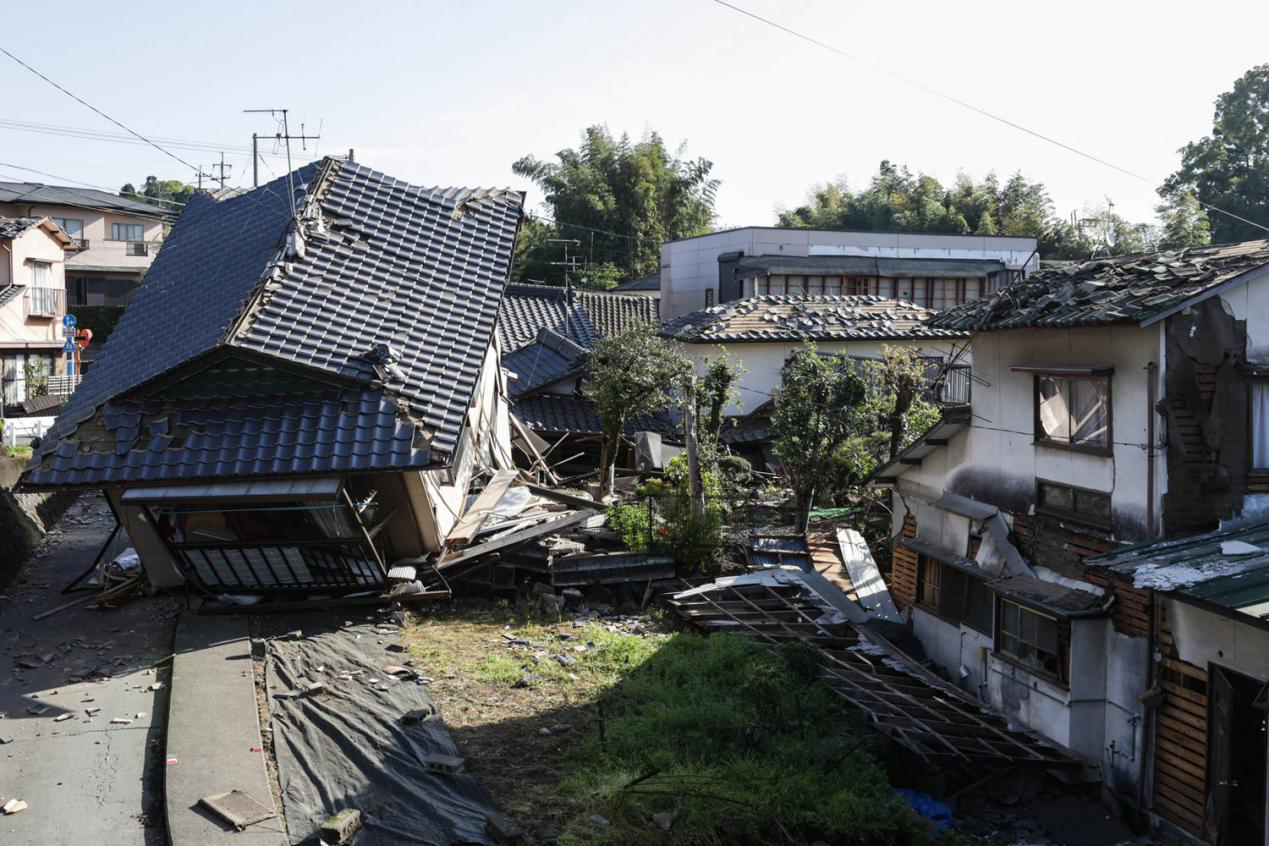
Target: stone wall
24	518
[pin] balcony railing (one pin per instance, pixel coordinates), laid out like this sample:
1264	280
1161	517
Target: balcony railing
45	302
137	248
62	386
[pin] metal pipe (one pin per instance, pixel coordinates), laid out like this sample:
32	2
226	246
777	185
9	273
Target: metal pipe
1151	371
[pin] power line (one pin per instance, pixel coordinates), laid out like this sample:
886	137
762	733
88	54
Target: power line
90	185
88	105
967	105
84	133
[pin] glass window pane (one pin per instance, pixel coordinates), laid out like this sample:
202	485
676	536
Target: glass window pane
1089	413
1057	497
1092	504
1055	418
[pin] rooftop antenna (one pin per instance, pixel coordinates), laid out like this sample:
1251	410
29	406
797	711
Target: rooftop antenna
568	264
284	136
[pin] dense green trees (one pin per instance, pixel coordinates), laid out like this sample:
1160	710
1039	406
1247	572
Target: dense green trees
168	194
896	200
1229	169
620	200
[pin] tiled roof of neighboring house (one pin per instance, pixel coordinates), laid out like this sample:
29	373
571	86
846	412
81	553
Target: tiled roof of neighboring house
548	360
869	266
791	318
64	195
151	441
382	270
1227	568
9	292
12	227
560	413
612	314
1139	288
651	282
526	309
751	428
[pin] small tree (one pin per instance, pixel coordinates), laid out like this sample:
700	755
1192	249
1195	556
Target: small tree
629	374
36	375
717	389
901	373
814	415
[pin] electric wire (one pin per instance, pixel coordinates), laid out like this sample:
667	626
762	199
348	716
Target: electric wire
967	105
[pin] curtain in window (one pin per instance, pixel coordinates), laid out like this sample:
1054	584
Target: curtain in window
1055	417
1260	423
1088	411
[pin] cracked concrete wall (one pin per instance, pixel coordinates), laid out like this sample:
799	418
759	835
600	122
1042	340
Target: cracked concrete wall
1206	409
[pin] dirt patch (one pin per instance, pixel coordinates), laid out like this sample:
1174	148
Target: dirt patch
517	692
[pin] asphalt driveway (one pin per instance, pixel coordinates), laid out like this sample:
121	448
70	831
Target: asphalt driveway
83	694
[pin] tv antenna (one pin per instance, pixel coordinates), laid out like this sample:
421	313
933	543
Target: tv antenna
283	136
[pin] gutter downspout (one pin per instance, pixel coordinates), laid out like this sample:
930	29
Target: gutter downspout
1152	370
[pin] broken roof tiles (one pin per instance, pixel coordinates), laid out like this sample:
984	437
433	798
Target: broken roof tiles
1120	289
860	317
373	262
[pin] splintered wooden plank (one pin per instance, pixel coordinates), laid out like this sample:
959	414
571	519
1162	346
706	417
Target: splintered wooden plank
473	518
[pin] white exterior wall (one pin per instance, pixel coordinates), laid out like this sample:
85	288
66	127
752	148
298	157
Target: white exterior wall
439	495
690	267
995	460
1249	301
764	361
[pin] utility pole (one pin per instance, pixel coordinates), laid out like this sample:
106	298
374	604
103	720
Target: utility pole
223	168
280	137
693	450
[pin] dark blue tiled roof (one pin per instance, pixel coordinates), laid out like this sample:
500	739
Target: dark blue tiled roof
527	309
560	413
378	262
550	359
151	441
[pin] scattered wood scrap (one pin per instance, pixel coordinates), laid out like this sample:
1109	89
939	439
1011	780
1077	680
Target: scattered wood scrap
473	518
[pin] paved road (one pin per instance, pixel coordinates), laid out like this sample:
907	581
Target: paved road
86	780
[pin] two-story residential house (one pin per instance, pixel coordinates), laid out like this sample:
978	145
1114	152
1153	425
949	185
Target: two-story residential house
32	301
1116	401
116	237
932	271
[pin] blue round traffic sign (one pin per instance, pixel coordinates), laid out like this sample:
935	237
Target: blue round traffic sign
68	320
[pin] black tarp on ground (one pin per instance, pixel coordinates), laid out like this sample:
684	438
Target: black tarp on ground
347	747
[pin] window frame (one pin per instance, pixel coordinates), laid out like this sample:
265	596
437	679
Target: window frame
38	264
1074	515
61	221
1063	635
115	227
1254	377
1040	438
941	607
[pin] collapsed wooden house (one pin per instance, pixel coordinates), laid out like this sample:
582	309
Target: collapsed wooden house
302	388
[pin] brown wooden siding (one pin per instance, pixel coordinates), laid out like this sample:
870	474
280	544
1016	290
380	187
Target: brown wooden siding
1131	612
1180	767
903	567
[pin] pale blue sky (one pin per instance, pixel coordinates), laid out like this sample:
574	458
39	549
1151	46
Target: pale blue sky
452	93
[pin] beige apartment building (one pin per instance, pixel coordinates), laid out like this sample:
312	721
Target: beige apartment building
33	253
115	237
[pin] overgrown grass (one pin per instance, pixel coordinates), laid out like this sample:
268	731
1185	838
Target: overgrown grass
733	741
